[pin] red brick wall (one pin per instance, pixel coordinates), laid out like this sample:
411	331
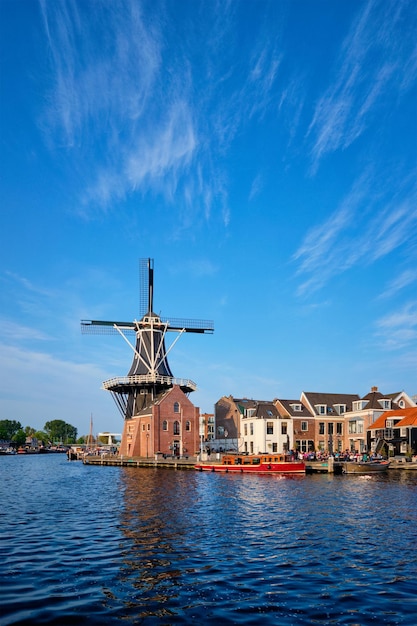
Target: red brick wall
134	438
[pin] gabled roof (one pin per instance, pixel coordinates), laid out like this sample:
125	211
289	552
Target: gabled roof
408	418
330	399
264	409
373	398
287	405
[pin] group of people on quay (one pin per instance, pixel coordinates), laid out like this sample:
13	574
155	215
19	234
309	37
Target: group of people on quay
347	455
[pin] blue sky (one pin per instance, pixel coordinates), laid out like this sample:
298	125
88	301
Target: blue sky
262	153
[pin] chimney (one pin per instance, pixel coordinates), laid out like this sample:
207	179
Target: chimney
373	389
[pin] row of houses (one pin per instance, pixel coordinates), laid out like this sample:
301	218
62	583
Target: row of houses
327	422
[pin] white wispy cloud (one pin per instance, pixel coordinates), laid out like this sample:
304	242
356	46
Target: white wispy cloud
52	384
367	226
402	281
371	58
133	113
398	329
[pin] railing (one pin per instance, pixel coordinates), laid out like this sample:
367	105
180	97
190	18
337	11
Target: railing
147	379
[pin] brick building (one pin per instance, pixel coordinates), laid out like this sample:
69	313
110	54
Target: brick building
170	425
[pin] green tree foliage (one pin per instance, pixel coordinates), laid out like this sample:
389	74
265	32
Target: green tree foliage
8	428
41	436
58	430
19	437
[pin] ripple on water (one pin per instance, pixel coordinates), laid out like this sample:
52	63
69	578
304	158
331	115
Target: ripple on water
142	546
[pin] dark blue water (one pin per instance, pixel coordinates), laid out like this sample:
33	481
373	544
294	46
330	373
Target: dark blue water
104	545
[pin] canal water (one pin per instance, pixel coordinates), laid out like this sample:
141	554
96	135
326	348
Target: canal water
111	545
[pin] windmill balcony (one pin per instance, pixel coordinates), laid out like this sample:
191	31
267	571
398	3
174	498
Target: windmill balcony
147	379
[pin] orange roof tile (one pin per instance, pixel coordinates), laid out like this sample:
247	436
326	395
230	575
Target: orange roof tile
409	418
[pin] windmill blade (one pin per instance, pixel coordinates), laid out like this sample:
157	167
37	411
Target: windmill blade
145	286
98	327
189	325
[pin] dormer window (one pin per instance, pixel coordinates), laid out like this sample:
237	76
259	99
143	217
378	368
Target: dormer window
321	409
402	404
386	404
296	407
250	412
340	408
359	405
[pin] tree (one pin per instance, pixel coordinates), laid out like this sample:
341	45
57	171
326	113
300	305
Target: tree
8	428
41	436
19	437
60	431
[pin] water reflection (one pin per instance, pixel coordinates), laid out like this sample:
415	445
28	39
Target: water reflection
211	547
140	546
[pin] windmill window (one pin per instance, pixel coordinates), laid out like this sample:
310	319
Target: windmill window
176	407
164	425
176	428
187	425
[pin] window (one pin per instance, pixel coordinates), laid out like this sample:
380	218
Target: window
270	428
251	447
176	427
296	407
352	428
143	426
330	428
321	428
176	407
304	426
321	409
401	404
149	427
340	408
305	446
386	404
245	429
339	428
187	425
164	425
274	447
251	428
359	405
283	428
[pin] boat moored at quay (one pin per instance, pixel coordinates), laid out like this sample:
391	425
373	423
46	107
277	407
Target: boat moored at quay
254	464
365	467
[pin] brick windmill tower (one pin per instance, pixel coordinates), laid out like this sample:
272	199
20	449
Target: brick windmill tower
158	415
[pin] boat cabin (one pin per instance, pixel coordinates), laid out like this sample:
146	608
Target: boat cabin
243	459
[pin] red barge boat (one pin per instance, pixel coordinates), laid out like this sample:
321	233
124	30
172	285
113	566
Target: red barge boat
254	464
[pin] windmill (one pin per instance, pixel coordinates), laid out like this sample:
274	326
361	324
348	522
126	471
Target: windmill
150	373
